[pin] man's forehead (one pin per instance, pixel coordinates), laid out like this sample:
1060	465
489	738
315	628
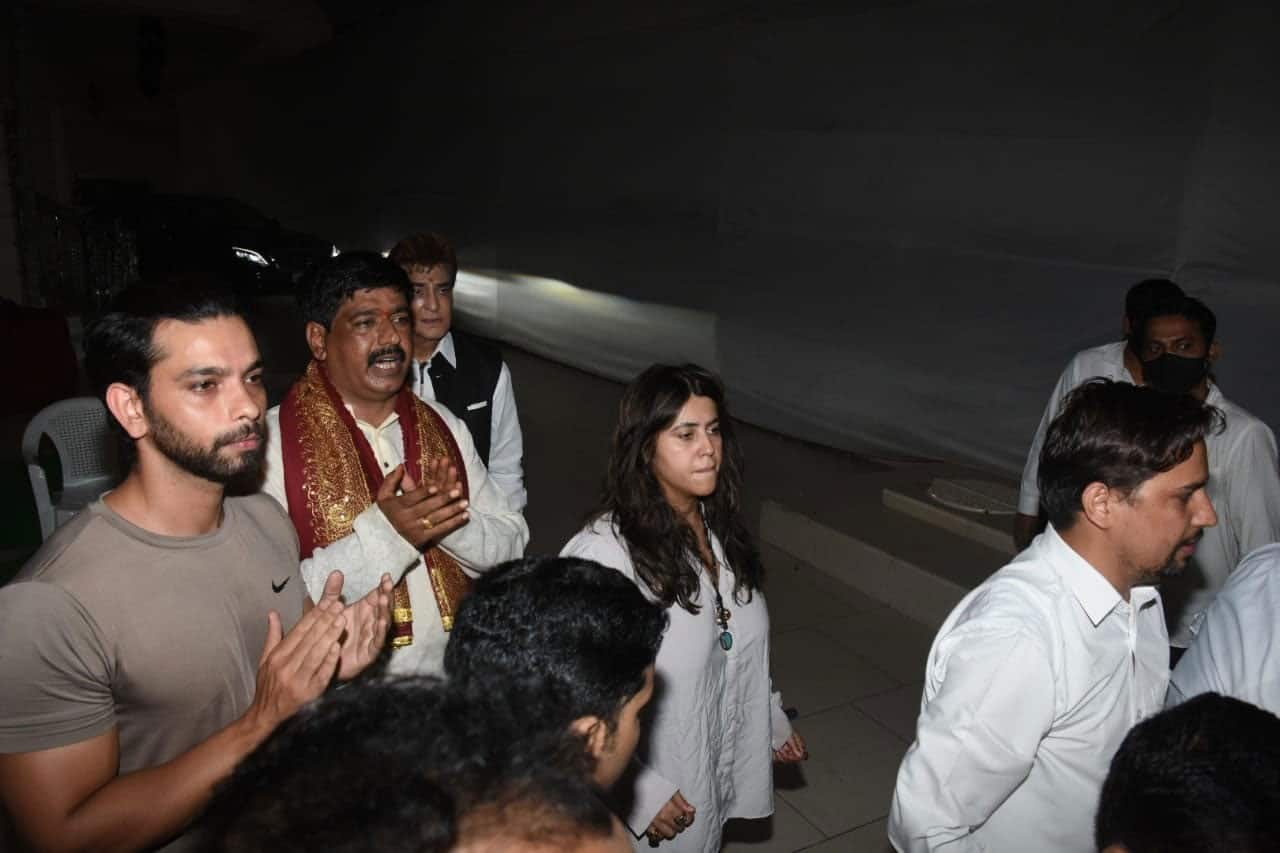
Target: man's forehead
1172	326
1190	471
180	344
388	298
433	274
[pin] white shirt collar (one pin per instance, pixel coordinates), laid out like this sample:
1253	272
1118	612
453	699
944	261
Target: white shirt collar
1095	593
390	419
445	348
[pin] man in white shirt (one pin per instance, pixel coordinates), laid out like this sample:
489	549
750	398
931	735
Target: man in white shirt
1036	676
1177	348
374	479
1236	650
1118	360
464	372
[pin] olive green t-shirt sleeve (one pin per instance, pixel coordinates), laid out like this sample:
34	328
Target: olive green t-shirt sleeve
55	671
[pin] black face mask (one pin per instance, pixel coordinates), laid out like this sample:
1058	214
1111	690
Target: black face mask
1174	373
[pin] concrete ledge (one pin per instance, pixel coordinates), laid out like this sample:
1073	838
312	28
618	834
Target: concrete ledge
950	520
905	587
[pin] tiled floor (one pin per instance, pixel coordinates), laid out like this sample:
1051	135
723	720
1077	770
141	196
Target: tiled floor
852	668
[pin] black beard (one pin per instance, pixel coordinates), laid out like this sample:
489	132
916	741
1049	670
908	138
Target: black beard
241	474
1171	569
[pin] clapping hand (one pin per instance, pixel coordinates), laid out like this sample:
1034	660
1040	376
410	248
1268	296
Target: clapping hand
365	624
426	512
296	667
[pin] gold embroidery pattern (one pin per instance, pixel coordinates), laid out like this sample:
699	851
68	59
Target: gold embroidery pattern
448	581
333	481
337	492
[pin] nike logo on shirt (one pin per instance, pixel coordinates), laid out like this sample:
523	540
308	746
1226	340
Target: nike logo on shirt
277	587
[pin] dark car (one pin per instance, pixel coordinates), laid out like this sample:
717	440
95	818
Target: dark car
254	252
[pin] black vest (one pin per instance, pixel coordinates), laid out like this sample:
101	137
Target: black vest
474	381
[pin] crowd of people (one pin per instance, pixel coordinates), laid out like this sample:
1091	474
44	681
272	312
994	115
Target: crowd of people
313	626
1148	509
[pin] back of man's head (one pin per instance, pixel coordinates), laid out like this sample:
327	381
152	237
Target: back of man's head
1117	434
1203	776
526	793
539	809
346	774
405	764
559	638
119	347
336	280
1144	294
426	251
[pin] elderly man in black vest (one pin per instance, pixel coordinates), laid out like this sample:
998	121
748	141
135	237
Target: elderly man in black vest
464	373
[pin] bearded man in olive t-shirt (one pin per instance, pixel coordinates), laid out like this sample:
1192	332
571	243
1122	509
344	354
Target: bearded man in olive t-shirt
159	636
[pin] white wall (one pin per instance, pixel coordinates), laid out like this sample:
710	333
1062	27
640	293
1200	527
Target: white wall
905	217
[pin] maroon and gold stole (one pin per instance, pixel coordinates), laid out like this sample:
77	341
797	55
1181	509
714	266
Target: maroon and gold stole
331	475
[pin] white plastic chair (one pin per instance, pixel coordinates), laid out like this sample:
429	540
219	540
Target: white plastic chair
80	434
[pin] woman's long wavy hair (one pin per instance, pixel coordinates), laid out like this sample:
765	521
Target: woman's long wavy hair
661	544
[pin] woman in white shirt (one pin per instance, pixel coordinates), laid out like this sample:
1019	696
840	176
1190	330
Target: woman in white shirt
669	520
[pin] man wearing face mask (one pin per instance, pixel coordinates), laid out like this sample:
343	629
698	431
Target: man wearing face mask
1117	361
1177	349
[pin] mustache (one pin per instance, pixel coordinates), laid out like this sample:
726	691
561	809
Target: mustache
394	349
254	430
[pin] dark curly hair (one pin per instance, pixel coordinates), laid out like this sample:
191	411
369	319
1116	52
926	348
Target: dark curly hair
1201	776
336	280
406	764
586	635
660	543
363	756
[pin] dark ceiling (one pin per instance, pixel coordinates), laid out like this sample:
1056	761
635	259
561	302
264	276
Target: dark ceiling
200	39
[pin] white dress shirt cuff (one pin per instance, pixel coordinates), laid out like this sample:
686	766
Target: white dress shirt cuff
384	548
372	549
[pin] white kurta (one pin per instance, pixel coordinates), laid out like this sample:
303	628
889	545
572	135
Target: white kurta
715	720
1236	651
1244	487
1030	686
495	533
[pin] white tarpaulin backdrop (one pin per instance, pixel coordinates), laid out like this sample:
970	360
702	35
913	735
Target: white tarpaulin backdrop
888	224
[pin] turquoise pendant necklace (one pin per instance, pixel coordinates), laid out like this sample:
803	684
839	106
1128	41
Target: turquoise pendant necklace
722	620
722	613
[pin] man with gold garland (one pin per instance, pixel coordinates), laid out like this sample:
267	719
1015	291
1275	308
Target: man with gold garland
375	479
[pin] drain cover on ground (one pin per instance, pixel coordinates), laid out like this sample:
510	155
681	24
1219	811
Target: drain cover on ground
980	496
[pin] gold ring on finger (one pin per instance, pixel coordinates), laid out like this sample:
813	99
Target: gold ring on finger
426	522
